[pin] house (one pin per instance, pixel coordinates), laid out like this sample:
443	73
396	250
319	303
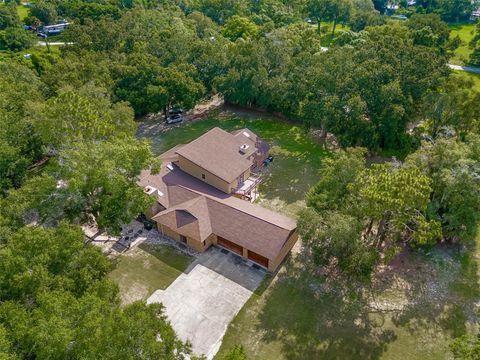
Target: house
55	29
203	193
227	161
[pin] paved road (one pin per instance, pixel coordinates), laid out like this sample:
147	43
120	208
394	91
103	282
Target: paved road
43	43
470	69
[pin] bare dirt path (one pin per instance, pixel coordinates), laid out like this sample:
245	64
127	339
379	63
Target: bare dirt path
151	125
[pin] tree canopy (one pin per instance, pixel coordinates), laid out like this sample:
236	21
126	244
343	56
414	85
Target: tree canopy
69	152
56	301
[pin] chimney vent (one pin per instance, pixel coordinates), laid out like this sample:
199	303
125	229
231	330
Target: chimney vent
243	148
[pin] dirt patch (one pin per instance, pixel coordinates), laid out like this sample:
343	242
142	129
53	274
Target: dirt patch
152	124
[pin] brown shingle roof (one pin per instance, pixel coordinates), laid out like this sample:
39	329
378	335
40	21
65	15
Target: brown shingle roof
249	225
190	218
218	152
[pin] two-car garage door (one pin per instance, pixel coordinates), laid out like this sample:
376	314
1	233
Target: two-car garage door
237	249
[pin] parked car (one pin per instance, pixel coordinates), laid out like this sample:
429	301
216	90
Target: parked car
42	35
175	118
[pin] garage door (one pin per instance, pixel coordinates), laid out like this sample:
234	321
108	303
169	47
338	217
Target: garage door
230	245
259	259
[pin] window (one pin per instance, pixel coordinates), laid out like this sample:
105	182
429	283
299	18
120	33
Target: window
203	176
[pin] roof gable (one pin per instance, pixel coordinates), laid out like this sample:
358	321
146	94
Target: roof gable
183	218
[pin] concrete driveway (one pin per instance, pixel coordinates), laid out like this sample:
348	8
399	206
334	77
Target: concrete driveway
201	302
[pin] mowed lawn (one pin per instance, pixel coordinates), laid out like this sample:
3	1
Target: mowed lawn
22	10
475	78
146	268
465	32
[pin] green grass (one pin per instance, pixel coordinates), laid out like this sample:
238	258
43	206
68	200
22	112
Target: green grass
327	27
475	78
422	305
45	58
466	32
411	311
22	11
142	270
297	155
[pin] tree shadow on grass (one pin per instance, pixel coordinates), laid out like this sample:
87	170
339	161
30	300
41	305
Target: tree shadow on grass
312	324
421	304
168	255
442	293
297	155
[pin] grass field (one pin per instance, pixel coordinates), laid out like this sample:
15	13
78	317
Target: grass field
475	78
144	269
466	32
412	311
22	11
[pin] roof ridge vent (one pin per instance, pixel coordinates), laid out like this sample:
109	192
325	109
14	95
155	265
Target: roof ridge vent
243	148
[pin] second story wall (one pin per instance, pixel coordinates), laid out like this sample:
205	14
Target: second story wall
236	182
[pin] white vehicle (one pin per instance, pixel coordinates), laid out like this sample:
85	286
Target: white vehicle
174	118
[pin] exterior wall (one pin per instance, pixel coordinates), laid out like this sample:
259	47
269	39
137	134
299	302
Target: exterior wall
197	172
168	232
200	246
211	179
194	244
235	183
273	264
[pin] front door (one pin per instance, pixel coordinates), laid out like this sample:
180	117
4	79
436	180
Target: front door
183	239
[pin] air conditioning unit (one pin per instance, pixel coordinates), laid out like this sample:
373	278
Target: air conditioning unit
243	148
